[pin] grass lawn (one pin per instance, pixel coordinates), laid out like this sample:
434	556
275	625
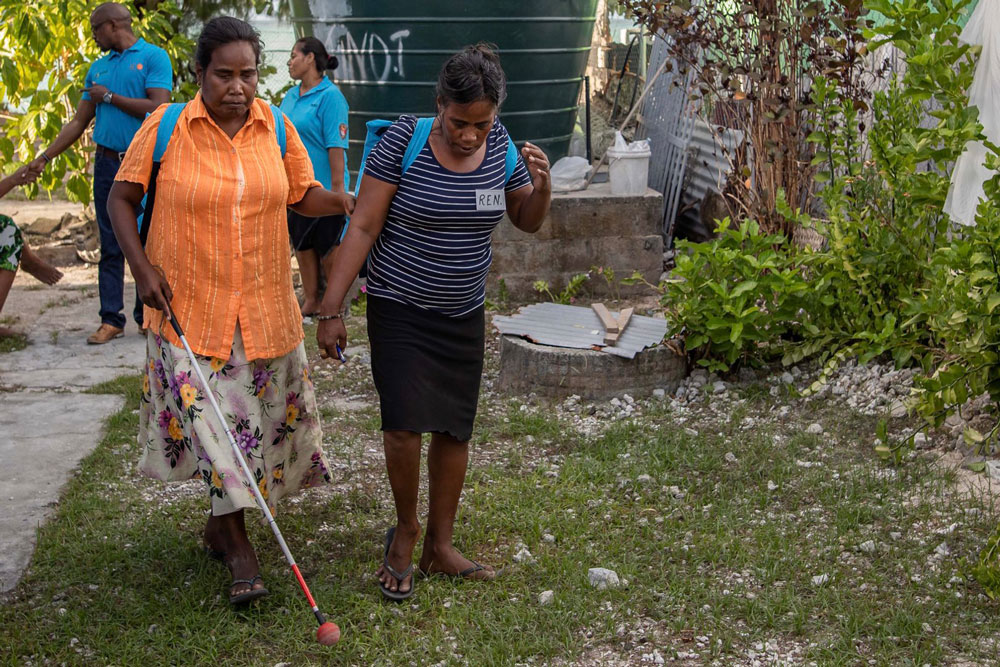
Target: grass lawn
795	549
13	343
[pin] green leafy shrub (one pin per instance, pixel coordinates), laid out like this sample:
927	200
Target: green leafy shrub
960	310
568	294
735	298
883	196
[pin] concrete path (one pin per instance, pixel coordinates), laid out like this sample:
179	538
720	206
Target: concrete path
47	424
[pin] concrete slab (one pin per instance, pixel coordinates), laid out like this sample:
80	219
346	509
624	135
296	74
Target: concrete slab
48	426
46	435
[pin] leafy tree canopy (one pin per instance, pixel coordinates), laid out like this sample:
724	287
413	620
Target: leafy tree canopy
45	50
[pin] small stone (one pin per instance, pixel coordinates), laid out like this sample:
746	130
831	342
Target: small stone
549	538
151	629
524	556
926	627
74	641
644	479
896	535
628	399
820	579
814	429
546	598
787	378
897	409
771	486
867	546
730	457
993	469
718	387
601	578
920	441
659	393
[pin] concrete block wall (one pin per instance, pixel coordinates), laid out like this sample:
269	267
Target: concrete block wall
583	229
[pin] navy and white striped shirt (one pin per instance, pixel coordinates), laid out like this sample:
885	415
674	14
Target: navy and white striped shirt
434	250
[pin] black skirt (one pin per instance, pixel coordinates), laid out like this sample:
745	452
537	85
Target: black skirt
427	367
319	234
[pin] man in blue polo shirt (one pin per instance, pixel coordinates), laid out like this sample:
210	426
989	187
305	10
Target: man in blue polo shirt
130	81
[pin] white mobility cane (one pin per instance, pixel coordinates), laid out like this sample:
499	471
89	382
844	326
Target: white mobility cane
327	633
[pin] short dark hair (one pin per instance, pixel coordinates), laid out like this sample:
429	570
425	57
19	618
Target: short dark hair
224	30
473	74
323	60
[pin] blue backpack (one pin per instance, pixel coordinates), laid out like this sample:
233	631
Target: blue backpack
377	128
163	133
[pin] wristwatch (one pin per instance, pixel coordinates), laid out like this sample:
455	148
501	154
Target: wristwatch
107	97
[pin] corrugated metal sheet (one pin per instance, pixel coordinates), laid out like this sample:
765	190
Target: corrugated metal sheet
707	166
666	120
572	326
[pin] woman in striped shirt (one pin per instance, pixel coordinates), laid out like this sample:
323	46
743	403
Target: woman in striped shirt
428	234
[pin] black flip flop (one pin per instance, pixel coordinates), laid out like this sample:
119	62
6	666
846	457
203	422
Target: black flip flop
389	594
247	596
464	574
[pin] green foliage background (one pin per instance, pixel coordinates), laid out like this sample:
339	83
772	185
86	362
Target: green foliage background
45	51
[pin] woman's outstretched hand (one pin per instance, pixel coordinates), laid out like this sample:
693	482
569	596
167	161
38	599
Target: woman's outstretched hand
538	166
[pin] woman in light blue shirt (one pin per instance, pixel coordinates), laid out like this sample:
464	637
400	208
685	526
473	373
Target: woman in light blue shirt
318	111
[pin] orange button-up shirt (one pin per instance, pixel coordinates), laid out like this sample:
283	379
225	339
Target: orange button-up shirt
219	229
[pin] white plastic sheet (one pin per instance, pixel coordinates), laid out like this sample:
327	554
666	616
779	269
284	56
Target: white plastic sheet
970	172
569	174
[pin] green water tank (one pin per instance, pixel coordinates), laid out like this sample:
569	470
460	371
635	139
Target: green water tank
390	52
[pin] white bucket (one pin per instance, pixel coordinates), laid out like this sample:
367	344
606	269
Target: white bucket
628	171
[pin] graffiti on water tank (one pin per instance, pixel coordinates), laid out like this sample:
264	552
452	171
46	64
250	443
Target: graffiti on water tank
375	58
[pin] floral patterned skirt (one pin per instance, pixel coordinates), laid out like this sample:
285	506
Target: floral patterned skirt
269	404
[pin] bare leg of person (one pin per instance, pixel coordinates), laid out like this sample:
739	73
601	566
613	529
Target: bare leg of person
309	270
38	267
6	280
447	460
402	462
227	534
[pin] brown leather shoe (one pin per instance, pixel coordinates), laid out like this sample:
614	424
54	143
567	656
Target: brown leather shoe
105	333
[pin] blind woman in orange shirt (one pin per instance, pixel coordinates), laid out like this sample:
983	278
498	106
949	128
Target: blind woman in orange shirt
217	255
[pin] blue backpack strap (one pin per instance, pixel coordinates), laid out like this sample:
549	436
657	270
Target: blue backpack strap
279	129
417	141
510	160
166	129
375	129
163	133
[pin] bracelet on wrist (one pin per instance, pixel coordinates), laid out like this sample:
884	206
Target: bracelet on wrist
45	157
323	318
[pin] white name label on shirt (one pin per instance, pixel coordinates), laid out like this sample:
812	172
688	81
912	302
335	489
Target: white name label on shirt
490	200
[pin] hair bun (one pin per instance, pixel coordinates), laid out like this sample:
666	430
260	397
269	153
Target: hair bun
332	63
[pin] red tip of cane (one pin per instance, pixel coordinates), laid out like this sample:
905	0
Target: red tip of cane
328	634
